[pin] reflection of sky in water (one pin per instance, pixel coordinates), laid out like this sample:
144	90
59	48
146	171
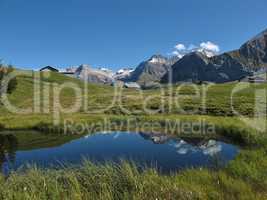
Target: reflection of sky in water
210	148
167	154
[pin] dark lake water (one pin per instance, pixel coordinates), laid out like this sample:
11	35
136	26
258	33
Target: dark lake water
165	153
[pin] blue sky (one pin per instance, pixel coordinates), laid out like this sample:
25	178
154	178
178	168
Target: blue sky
116	33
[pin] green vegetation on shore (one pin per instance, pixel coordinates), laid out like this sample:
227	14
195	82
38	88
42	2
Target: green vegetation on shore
243	178
229	127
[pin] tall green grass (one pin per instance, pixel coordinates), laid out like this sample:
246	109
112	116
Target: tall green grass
244	178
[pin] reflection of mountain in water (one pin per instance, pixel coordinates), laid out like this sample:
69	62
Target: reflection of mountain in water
8	148
156	138
187	145
174	152
210	147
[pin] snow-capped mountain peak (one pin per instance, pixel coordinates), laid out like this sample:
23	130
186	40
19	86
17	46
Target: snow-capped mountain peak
158	59
206	52
123	73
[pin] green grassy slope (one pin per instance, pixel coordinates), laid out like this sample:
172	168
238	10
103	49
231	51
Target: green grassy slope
180	99
217	102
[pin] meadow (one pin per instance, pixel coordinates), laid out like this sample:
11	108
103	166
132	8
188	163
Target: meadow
206	99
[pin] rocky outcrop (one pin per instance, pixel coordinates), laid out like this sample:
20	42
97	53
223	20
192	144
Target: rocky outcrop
85	72
123	74
196	67
152	70
254	52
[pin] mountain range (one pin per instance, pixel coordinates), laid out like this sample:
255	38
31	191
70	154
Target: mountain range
99	75
151	71
198	65
230	66
85	72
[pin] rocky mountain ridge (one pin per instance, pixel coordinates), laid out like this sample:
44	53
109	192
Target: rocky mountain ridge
152	70
197	65
229	66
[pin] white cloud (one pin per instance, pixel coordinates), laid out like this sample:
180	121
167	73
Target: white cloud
209	46
180	47
182	151
179	50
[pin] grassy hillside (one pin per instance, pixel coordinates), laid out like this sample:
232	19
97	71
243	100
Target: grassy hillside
129	105
180	99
